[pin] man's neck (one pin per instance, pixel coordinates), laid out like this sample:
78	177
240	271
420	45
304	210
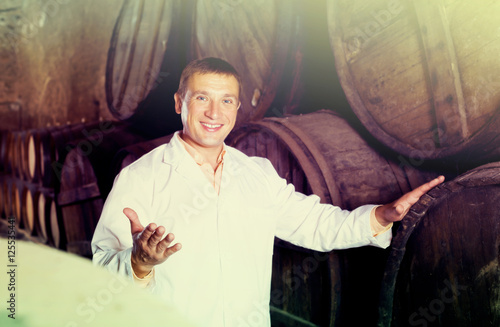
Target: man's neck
209	154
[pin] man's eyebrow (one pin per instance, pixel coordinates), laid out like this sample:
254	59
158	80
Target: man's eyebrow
227	95
200	92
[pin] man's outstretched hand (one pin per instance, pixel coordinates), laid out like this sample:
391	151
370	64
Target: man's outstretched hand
396	210
149	248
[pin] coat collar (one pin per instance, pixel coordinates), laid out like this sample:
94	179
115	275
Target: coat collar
181	161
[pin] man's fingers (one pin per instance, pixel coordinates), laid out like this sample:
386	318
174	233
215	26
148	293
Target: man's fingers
147	232
156	237
422	189
413	196
165	243
171	250
135	224
151	237
163	246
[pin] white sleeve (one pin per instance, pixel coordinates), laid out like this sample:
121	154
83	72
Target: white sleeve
112	240
302	220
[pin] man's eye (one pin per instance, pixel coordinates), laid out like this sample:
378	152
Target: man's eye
227	101
202	98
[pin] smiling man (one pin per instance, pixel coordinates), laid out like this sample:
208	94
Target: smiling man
225	208
208	104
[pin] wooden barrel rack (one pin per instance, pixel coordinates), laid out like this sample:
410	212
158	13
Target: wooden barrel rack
32	169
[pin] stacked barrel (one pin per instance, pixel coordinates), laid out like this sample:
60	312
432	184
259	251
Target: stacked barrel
36	171
29	180
419	77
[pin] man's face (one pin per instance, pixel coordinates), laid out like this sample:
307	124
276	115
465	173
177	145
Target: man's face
208	110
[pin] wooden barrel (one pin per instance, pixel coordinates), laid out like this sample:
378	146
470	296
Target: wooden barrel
443	269
14	154
86	179
21	163
6	195
4	149
11	153
37	153
8	153
41	154
49	227
29	210
259	38
320	153
41	149
136	52
3	200
420	75
24	158
16	195
59	146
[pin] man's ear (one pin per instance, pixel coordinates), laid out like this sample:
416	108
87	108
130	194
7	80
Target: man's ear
178	102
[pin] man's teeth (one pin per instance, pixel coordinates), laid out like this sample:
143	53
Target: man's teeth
211	126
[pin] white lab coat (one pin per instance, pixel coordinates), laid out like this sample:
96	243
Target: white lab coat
222	274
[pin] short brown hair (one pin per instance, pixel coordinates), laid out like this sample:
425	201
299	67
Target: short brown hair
206	66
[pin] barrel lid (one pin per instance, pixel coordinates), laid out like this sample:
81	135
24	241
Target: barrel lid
419	74
138	44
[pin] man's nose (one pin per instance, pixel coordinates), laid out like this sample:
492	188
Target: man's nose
213	111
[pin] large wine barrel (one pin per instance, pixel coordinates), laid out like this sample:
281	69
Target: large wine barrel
443	269
260	39
86	179
420	75
136	53
320	153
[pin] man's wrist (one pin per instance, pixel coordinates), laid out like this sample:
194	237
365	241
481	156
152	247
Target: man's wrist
379	214
140	271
